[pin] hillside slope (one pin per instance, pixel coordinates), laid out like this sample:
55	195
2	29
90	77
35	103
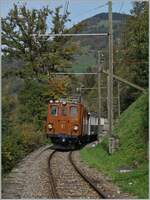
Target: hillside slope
91	44
132	129
99	24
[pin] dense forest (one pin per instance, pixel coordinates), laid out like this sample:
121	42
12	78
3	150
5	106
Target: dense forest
29	59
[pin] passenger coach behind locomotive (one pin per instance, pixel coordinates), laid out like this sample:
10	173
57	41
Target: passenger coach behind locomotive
68	122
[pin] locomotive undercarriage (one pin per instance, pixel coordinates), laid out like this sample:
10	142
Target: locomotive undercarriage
70	140
64	139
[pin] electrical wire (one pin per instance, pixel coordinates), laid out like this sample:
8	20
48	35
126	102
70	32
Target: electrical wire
132	62
122	4
66	7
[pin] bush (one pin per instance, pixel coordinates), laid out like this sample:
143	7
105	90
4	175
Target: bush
22	140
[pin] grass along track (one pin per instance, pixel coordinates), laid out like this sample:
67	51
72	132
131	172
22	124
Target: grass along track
132	130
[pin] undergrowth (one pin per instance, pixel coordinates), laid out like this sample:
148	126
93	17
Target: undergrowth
132	130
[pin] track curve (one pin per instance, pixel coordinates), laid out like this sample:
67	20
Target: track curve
51	177
67	181
87	179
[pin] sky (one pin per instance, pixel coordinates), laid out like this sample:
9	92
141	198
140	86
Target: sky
80	9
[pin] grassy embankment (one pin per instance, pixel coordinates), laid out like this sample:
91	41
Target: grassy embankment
132	129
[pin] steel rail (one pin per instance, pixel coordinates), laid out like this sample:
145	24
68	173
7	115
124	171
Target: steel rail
45	149
87	179
51	178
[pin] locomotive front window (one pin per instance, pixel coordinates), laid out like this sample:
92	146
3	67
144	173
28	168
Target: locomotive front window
54	110
73	111
64	111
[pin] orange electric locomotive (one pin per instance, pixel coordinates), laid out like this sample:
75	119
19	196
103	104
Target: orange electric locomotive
67	122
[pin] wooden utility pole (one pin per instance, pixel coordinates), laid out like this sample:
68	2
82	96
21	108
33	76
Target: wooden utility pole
110	80
99	95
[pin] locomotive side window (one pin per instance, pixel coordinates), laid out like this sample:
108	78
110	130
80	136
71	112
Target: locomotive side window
73	111
54	110
64	111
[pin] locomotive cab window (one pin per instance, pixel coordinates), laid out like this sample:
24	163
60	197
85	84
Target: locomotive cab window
54	110
64	111
73	111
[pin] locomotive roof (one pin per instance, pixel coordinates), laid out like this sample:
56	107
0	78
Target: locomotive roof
76	100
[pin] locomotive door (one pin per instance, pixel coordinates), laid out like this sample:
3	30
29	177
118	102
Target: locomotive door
63	121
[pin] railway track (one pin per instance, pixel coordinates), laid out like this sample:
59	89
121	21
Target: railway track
53	174
68	181
87	179
51	178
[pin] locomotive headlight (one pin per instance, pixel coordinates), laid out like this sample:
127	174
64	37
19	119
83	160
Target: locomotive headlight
64	103
50	126
75	128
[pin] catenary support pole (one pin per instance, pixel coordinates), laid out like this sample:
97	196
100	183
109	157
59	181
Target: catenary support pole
99	96
110	83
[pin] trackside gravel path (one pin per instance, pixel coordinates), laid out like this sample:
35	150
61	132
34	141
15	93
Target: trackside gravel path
30	178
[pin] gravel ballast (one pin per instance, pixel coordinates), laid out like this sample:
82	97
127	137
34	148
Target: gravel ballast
30	178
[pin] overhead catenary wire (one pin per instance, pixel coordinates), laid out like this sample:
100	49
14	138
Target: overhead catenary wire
105	72
69	34
121	7
72	34
132	62
66	8
73	73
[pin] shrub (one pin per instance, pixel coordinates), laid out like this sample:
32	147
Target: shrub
22	140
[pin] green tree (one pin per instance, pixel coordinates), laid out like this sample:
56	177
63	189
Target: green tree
134	49
40	56
131	53
33	99
17	30
21	39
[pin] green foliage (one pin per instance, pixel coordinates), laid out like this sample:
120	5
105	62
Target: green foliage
31	59
41	55
134	46
6	122
132	130
17	28
8	108
18	139
131	53
21	141
33	99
